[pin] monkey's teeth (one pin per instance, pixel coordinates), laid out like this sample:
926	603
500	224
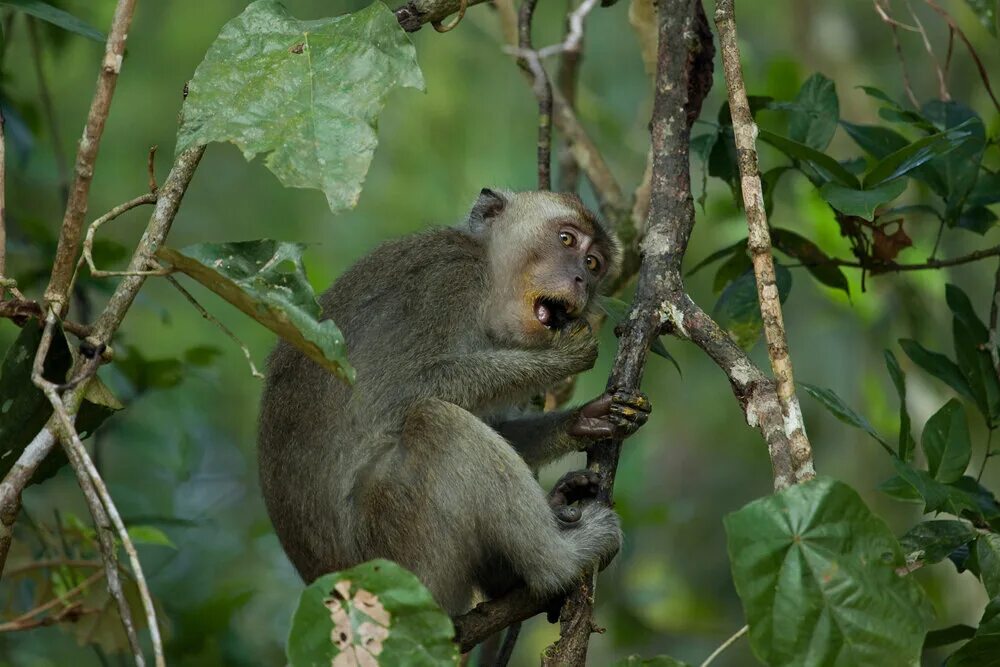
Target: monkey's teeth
543	314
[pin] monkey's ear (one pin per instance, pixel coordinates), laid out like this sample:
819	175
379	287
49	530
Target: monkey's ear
488	206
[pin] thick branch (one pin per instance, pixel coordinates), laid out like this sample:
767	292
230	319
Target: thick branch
684	52
759	242
416	13
489	618
76	208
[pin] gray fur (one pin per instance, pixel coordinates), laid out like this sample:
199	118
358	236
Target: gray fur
402	465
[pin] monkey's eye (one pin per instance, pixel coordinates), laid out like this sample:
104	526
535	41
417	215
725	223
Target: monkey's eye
567	239
593	264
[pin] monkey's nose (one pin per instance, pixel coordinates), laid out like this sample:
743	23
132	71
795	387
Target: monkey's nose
579	280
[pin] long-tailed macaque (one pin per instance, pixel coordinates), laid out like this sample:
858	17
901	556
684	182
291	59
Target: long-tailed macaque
421	461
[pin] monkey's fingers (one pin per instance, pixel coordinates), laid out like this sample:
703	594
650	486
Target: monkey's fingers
636	400
572	487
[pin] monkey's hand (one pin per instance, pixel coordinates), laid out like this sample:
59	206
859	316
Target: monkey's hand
616	414
577	346
569	490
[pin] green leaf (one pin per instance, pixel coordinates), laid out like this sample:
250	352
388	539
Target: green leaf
876	140
24	409
914	154
722	163
374	609
738	310
817	262
266	280
769	183
986	190
658	661
618	310
862	203
145	374
56	16
906	445
984	648
971	341
988	558
964	498
150	535
734	267
841	411
830	169
201	355
932	541
815	112
986	10
308	93
816	572
945	441
937	365
949	635
978	219
896	113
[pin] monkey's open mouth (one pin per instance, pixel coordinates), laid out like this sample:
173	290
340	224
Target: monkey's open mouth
553	312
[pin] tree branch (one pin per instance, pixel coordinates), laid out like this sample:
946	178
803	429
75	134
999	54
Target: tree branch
416	13
76	209
684	57
530	60
759	241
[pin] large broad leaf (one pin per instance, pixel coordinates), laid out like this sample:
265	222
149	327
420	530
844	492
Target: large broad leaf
906	444
946	442
876	140
267	281
984	648
376	613
817	262
862	202
913	155
843	412
815	112
308	93
24	409
816	572
830	169
738	309
937	365
931	541
55	16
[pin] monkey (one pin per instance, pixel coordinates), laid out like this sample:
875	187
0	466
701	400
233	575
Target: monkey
422	460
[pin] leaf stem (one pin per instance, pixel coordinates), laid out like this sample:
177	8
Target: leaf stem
726	644
987	455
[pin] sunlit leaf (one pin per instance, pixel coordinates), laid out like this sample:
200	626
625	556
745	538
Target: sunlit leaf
55	16
307	93
816	572
377	613
862	203
266	280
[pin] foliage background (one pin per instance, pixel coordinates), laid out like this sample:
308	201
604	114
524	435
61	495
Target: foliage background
182	457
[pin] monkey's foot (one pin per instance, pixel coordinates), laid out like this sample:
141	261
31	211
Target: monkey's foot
572	487
615	414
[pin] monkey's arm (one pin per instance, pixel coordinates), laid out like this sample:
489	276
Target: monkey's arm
541	438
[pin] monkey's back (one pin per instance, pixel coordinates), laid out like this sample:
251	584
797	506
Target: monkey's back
319	437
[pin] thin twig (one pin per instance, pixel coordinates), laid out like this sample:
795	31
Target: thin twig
942	80
76	209
88	241
892	267
530	59
72	612
58	152
726	644
759	242
211	318
151	169
968	45
893	25
18	623
53	563
19	310
567	79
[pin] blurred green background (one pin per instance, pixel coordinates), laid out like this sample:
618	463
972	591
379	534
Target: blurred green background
182	457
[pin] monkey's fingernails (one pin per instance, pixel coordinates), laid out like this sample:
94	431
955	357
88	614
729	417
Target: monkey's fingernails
568	514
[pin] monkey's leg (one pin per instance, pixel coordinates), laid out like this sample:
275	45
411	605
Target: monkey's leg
486	508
